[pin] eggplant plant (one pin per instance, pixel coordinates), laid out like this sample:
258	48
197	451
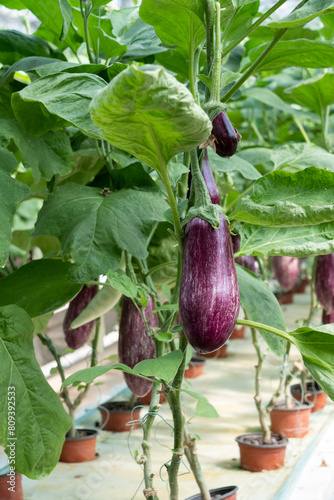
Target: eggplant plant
101	113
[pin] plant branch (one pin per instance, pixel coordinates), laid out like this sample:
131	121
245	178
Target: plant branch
257	396
190	451
209	14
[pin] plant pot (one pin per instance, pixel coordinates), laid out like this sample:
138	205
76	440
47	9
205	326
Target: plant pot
218	353
313	394
195	369
146	400
80	448
117	415
292	422
300	288
286	298
238	332
225	493
8	480
222	352
257	457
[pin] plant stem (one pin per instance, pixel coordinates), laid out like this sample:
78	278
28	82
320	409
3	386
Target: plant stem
255	65
85	16
257	23
199	194
282	380
313	302
215	84
190	451
324	125
209	14
258	397
261	326
303	131
172	203
241	195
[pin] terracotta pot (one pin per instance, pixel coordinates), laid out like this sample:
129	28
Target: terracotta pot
196	368
146	400
300	288
80	448
222	352
117	415
255	457
286	298
218	353
227	492
314	394
8	480
238	332
292	422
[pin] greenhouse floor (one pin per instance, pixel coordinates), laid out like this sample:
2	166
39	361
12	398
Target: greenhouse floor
228	384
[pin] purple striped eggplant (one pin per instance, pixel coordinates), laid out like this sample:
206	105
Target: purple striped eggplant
324	281
209	293
286	270
224	137
246	261
135	344
209	180
78	337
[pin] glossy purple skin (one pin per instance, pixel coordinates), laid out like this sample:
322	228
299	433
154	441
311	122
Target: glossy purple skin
327	318
324	281
224	135
209	294
286	270
134	343
78	337
245	261
209	180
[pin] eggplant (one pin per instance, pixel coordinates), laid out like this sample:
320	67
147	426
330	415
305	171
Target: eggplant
224	137
286	270
209	293
209	180
324	281
327	318
246	261
78	337
134	343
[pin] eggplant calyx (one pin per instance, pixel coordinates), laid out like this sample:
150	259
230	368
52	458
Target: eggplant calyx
209	213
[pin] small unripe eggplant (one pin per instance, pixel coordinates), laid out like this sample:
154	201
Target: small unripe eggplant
246	261
286	270
78	337
209	180
324	281
327	318
209	293
224	137
134	343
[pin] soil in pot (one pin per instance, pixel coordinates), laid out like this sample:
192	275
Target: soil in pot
238	332
313	394
225	493
80	448
256	456
10	486
117	415
146	400
291	422
196	368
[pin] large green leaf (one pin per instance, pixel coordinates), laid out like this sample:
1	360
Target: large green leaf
295	241
39	417
8	162
300	53
306	12
269	98
47	155
39	287
55	15
245	168
150	115
67	15
261	305
55	101
289	199
27	65
301	155
94	229
11	193
315	93
15	45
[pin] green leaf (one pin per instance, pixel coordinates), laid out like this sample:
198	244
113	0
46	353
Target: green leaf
39	287
253	291
15	45
289	199
205	409
269	98
150	115
28	64
41	322
305	13
316	345
164	368
121	282
292	241
110	46
164	337
299	156
11	193
67	15
47	155
94	229
300	53
234	163
51	13
40	419
8	162
167	307
315	93
55	101
67	67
